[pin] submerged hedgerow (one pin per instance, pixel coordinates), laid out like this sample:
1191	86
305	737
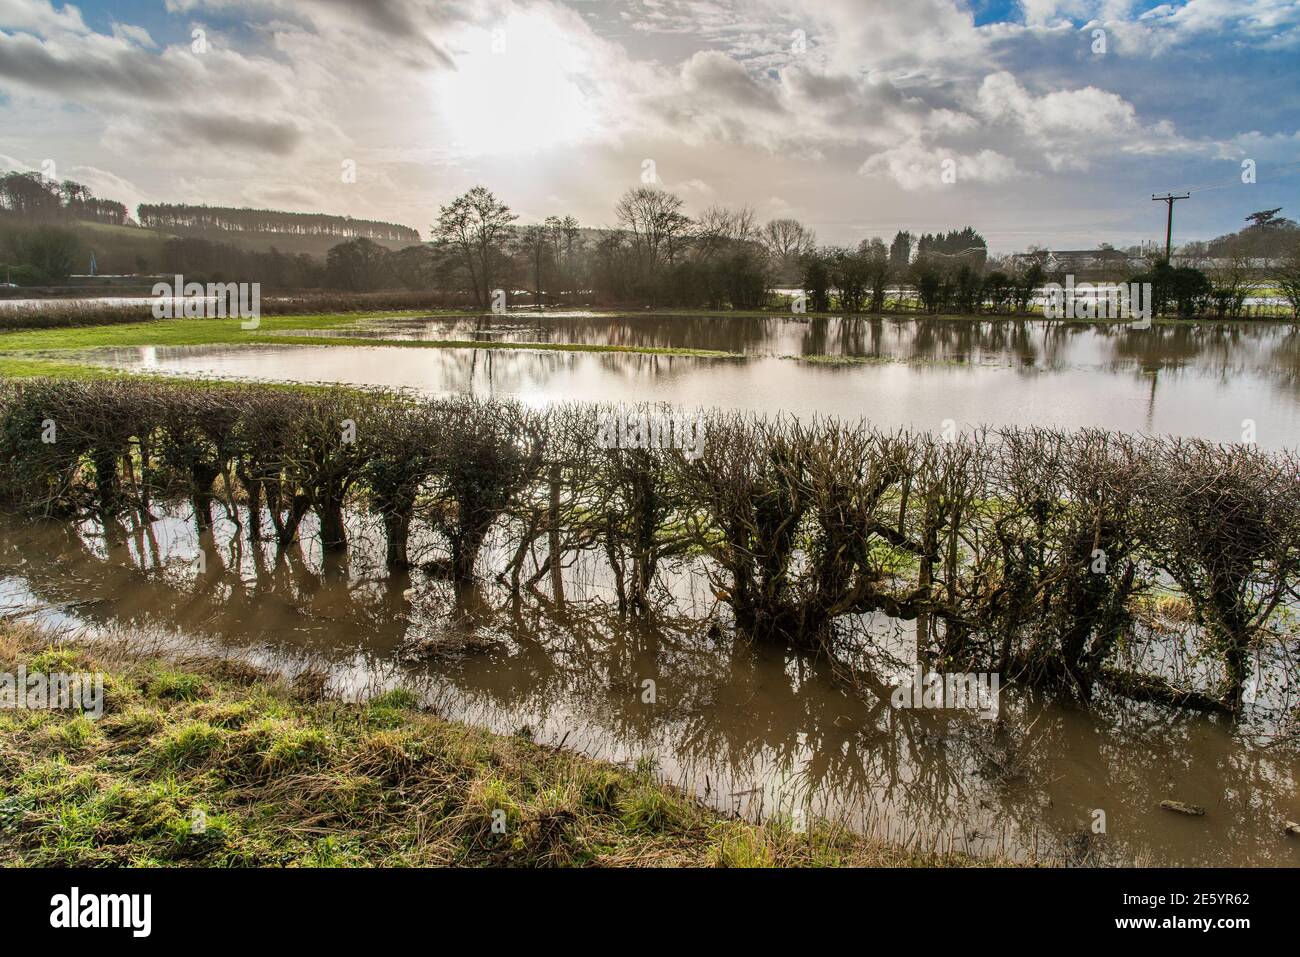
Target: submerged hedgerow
1031	553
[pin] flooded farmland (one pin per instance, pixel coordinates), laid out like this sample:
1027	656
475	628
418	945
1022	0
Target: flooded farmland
749	728
1203	380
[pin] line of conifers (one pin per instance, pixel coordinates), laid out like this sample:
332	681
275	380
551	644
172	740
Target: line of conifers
1030	552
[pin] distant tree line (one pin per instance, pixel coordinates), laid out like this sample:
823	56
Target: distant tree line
658	255
1266	236
31	197
35	253
204	260
36	243
185	217
654	254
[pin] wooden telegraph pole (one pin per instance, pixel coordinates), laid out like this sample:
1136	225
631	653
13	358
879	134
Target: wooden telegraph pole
1169	199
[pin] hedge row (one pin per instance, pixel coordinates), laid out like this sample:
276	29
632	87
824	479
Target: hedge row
1035	553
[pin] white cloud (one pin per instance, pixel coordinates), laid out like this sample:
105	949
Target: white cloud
915	167
40	16
714	90
1086	121
1257	23
133	34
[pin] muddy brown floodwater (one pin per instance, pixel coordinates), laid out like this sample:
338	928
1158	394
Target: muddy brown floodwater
755	730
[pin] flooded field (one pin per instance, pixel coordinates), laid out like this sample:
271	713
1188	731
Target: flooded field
750	729
1022	341
1203	380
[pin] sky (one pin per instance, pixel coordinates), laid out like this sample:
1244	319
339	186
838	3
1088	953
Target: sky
1047	122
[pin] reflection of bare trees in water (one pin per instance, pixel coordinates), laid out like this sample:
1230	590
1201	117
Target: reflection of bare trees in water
1221	348
1284	361
1174	347
717	693
728	713
1139	756
1225	351
718	333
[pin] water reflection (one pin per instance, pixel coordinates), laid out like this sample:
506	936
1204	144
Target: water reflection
751	729
1190	379
1047	344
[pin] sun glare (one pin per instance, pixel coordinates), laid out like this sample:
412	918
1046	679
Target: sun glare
518	88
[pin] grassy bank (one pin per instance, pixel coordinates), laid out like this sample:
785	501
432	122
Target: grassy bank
285	777
135	306
169	332
25	352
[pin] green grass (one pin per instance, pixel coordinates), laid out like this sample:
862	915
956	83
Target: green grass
164	332
209	763
14	367
69	351
113	230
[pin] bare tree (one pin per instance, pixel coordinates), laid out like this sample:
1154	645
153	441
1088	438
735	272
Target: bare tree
718	227
475	224
655	219
1231	277
534	244
563	236
1286	277
712	231
875	257
787	240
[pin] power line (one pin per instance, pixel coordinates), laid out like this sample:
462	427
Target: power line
1172	197
1276	171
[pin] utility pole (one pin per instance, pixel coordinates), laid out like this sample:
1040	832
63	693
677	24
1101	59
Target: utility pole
1169	199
